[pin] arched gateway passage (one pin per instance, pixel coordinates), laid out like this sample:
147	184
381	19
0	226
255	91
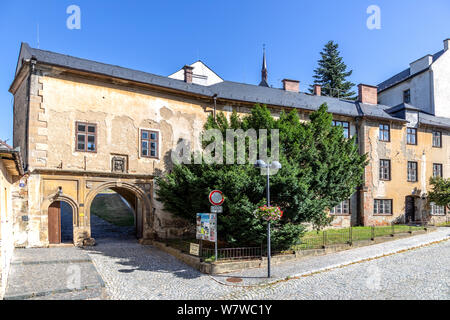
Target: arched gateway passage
111	194
113	215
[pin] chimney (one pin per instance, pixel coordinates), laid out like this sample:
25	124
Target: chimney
188	73
446	44
317	90
291	85
367	94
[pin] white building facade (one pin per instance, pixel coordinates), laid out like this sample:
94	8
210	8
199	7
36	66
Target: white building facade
424	85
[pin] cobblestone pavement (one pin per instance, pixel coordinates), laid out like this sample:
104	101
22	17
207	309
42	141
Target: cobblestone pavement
417	274
320	263
62	273
132	271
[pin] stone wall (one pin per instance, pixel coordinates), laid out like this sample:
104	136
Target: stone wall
6	229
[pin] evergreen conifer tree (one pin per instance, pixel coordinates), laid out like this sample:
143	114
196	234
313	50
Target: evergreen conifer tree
332	73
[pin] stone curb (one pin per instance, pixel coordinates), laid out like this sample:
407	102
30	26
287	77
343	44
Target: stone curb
47	293
51	262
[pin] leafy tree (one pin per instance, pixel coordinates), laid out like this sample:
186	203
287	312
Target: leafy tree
320	168
440	194
332	72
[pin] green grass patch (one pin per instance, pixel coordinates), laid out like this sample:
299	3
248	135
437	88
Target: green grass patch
314	239
111	208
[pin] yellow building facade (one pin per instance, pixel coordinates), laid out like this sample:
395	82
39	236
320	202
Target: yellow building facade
84	127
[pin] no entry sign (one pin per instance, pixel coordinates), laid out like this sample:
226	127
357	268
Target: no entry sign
216	198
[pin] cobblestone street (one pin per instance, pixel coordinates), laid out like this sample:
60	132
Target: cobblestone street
129	270
132	271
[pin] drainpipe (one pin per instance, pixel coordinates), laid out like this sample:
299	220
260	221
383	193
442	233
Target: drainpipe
359	188
215	106
27	125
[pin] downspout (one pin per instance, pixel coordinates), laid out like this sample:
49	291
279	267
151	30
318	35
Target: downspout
432	93
358	188
215	106
27	126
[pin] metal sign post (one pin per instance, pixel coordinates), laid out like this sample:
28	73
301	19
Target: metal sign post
268	224
216	198
215	246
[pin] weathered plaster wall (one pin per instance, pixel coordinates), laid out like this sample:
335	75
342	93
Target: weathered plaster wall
6	226
20	119
119	114
399	152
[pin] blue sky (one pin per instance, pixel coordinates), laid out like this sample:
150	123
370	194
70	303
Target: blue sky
162	36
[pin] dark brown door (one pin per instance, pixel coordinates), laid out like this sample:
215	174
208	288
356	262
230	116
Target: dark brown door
410	209
54	223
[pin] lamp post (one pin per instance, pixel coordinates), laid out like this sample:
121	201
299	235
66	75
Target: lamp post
273	165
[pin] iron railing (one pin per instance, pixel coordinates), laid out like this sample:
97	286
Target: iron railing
320	240
243	253
349	235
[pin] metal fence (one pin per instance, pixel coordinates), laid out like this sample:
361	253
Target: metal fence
233	253
320	240
440	221
349	235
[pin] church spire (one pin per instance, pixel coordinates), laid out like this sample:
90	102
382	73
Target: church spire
263	82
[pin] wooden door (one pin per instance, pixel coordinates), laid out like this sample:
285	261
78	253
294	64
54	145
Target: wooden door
54	223
410	209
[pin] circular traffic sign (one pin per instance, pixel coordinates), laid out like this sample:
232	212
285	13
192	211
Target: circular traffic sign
216	197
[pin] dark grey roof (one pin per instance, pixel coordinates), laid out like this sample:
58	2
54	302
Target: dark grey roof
58	59
424	117
404	75
225	90
402	106
430	120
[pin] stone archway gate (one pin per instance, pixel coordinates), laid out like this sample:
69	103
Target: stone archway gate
80	189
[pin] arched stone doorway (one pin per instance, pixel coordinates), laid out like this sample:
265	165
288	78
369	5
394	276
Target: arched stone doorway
134	196
62	218
60	223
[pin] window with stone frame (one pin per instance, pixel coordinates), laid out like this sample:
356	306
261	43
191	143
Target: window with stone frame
437	170
342	208
437	210
149	143
382	206
385	169
345	125
384	133
86	137
412	171
437	139
411	136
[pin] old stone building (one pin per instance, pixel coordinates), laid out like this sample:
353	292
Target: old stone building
85	126
11	168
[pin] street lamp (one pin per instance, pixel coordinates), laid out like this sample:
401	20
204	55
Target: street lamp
273	165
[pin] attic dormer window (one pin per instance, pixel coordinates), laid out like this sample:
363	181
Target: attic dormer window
407	96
